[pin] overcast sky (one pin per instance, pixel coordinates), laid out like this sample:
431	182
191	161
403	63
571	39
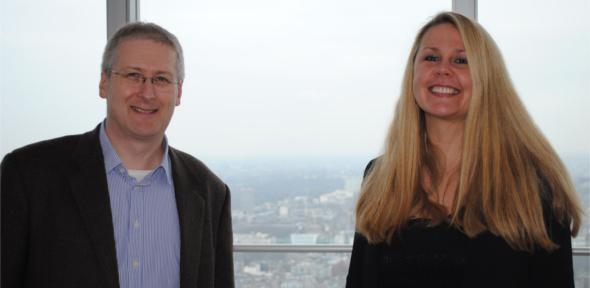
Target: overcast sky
282	78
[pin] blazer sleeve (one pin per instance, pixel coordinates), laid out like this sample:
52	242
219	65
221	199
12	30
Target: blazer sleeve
224	267
15	225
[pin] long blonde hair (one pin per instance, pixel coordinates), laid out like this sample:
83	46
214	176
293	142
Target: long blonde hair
508	172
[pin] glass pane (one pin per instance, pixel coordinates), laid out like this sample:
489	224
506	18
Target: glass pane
545	45
49	69
582	271
287	101
291	270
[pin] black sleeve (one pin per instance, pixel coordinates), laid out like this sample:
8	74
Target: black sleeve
14	224
361	272
369	167
355	270
553	269
365	264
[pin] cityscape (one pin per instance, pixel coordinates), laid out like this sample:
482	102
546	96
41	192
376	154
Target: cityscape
311	201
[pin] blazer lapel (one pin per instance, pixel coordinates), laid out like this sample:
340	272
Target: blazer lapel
191	208
90	190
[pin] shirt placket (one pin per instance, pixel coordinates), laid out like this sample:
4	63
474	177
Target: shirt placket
135	239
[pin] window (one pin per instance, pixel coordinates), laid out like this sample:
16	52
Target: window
277	93
50	69
545	46
287	101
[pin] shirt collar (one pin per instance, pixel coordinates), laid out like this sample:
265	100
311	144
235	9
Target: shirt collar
112	160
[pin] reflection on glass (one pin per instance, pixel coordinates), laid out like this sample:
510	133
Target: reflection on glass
291	270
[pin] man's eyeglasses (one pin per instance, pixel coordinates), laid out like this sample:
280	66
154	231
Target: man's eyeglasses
136	78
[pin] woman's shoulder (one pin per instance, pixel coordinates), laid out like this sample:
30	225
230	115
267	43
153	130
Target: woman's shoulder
371	165
556	227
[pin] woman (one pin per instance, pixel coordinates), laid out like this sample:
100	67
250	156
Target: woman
468	193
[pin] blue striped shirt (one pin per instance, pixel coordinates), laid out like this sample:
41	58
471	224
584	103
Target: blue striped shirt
145	219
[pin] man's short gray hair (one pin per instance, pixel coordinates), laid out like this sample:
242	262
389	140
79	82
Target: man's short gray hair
142	30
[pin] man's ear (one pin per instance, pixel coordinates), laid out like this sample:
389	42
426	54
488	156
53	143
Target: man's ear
179	93
102	85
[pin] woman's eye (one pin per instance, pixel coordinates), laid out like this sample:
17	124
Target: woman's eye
461	60
431	58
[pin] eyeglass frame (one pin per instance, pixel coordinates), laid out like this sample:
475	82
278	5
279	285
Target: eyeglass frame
141	79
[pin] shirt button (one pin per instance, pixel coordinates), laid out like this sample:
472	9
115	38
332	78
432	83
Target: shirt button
135	264
135	224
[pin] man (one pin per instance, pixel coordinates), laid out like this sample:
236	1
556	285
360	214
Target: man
117	206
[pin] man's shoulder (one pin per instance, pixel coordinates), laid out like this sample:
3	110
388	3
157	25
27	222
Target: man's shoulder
47	148
56	148
194	166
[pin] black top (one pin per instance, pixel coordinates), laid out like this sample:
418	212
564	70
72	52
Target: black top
442	256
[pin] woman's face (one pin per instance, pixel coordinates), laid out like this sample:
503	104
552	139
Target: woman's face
442	81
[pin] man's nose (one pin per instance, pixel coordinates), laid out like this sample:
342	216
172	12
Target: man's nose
148	88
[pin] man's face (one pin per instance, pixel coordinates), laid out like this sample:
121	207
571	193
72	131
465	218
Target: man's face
138	110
